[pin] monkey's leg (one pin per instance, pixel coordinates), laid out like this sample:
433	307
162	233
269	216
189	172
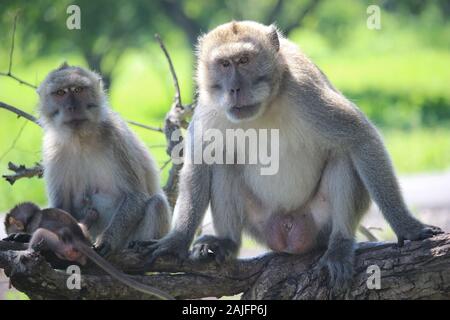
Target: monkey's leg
340	186
189	211
227	213
123	223
156	222
44	239
352	131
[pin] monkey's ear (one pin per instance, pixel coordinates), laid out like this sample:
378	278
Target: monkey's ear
64	65
273	37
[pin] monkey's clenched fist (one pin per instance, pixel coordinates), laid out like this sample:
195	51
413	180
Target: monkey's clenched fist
331	157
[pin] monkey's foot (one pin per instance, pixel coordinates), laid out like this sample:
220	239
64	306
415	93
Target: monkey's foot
18	237
173	244
208	248
421	232
337	262
141	246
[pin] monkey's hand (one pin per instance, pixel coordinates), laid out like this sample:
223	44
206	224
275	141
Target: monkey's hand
415	231
174	244
338	262
18	237
207	248
104	246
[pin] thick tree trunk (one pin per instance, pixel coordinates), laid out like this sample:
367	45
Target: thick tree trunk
419	270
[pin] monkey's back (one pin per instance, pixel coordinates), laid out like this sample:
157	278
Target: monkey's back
56	220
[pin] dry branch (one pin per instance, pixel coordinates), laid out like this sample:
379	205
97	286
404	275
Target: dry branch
20	171
176	119
419	270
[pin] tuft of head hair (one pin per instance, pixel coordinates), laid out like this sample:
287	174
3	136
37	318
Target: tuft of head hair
68	76
240	31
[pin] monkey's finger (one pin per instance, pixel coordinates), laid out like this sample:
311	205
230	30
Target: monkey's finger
103	249
155	255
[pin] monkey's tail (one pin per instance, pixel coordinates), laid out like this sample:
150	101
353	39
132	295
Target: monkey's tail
122	277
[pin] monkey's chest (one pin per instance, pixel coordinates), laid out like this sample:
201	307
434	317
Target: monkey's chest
85	175
295	180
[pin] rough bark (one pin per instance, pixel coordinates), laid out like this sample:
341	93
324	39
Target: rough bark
418	270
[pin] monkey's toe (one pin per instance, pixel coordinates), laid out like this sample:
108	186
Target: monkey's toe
208	248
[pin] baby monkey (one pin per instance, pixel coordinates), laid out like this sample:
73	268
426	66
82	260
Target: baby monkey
56	230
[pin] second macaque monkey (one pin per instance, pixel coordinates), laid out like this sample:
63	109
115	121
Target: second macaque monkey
89	151
56	230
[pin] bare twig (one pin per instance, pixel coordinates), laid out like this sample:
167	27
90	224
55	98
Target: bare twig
165	164
13	144
144	126
176	119
11	53
177	96
367	233
20	171
19	112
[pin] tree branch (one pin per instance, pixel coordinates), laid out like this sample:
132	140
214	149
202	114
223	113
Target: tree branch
20	171
19	112
176	119
419	270
11	54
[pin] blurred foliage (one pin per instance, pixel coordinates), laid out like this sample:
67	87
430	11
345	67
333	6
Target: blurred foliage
399	75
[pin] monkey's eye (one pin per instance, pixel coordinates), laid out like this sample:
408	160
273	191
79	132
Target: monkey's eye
225	63
78	89
61	92
243	60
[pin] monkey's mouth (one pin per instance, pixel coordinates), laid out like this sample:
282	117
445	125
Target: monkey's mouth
75	123
245	111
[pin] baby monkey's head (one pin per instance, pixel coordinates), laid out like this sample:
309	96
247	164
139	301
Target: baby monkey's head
239	68
71	98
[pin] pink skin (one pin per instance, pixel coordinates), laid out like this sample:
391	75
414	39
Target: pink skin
295	234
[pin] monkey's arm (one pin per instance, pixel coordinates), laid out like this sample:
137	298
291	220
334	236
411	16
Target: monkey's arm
335	118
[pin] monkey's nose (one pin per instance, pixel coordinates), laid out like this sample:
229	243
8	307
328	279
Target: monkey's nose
235	92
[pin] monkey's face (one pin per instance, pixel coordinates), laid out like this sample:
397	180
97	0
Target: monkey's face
237	74
13	225
71	99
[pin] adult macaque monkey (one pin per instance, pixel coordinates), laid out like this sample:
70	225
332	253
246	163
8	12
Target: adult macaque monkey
331	157
56	230
90	153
